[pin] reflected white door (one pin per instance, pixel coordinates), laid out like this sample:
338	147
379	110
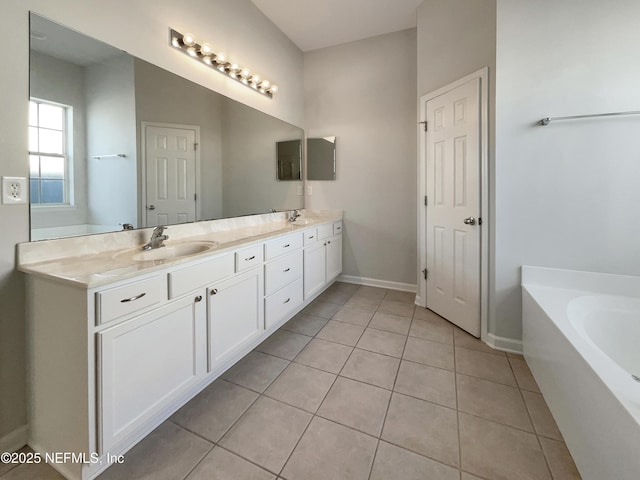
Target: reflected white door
453	206
170	164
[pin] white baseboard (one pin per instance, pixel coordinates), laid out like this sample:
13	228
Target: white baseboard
505	344
374	282
15	440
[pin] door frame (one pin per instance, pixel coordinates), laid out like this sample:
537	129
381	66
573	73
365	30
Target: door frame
421	296
142	212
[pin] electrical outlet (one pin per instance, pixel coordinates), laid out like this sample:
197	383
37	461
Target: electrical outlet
14	190
309	190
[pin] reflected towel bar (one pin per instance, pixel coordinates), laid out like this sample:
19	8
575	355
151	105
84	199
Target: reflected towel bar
98	157
548	120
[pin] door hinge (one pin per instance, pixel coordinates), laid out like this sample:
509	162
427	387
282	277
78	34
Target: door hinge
425	272
479	220
425	124
425	201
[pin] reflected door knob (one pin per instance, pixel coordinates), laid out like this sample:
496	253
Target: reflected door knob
470	221
151	207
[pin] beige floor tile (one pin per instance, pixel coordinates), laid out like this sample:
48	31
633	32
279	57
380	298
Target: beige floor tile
524	377
31	471
432	328
327	356
344	287
428	383
330	451
493	401
484	365
301	386
468	476
169	452
223	465
394	463
267	433
495	451
364	302
5	467
284	344
256	371
386	343
371	292
305	324
397	308
422	313
464	340
514	355
423	427
398	296
373	368
318	308
541	416
212	412
331	296
339	332
430	353
559	460
357	405
355	315
390	323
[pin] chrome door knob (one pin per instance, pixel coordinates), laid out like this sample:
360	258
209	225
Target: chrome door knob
151	207
470	221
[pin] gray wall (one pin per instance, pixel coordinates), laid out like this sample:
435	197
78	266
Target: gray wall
567	193
111	127
364	93
240	29
63	82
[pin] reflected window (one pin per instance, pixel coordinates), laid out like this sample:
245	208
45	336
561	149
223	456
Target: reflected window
48	155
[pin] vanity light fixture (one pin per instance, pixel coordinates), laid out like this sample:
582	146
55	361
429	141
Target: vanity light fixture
187	44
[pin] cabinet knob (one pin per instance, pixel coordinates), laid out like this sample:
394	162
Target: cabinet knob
198	298
329	241
214	291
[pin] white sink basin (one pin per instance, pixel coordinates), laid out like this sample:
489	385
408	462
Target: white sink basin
169	251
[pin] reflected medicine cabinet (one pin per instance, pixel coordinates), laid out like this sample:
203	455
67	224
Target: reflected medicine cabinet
321	158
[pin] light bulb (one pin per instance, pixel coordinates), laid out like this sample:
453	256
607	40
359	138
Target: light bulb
255	79
265	84
221	58
234	67
274	89
192	51
245	72
207	59
206	49
175	42
188	39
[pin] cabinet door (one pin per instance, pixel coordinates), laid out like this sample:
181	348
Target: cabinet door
334	257
315	273
235	314
146	362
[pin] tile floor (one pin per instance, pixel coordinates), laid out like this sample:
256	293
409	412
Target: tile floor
360	385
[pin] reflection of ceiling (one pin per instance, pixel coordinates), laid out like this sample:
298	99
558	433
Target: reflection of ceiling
313	24
65	44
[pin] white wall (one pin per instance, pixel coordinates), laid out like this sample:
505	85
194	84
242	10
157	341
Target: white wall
364	93
141	28
62	82
566	194
111	129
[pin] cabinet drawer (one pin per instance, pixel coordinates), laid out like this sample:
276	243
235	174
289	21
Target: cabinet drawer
337	228
282	245
248	258
120	301
282	271
281	304
190	278
325	231
310	236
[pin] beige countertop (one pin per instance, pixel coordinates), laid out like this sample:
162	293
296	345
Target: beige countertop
97	260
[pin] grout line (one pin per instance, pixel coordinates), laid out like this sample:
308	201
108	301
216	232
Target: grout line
199	461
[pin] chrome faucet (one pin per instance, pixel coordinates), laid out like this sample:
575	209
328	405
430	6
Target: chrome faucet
157	239
293	215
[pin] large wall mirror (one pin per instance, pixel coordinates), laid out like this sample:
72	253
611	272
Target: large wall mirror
116	141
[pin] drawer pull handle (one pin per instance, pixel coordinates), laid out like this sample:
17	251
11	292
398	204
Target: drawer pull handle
132	299
285	271
214	291
287	300
286	246
250	258
198	298
311	236
338	228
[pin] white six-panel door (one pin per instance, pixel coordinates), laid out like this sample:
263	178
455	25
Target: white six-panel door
170	167
453	205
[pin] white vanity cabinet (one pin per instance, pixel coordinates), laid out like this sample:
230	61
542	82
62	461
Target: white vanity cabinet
322	257
146	362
